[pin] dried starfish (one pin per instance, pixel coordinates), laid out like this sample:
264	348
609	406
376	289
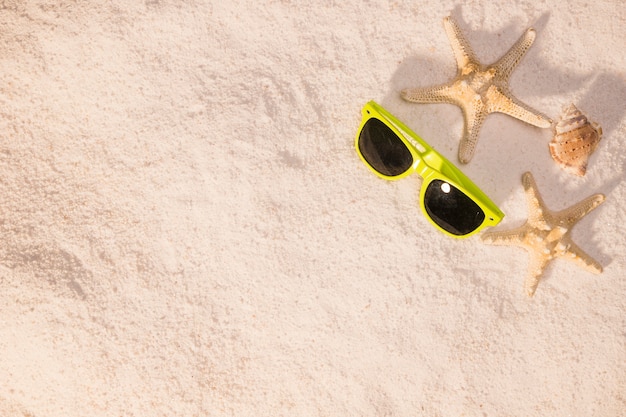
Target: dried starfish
546	234
479	89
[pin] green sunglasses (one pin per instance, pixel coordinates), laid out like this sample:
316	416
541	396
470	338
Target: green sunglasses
450	200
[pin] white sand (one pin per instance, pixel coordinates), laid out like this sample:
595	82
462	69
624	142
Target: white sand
187	230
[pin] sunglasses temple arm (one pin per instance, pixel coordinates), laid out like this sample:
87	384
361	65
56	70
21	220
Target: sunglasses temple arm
418	143
429	158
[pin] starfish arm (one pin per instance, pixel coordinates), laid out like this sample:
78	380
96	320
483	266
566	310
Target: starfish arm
538	215
513	237
474	116
517	237
463	52
505	65
537	265
546	234
581	258
500	99
438	94
570	216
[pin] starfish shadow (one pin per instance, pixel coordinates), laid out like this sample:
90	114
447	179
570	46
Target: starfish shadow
606	89
525	84
433	121
593	240
506	145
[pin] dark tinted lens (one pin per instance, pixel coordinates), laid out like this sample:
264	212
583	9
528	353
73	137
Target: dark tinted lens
383	149
451	209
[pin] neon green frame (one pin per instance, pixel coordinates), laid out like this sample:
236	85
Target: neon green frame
430	165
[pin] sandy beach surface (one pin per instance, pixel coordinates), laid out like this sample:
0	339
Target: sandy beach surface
187	230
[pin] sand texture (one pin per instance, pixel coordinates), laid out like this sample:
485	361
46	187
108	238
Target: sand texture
186	228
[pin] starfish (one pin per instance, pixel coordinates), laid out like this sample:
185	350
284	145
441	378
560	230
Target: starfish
546	234
479	89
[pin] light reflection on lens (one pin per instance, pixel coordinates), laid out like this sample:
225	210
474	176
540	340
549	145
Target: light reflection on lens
452	209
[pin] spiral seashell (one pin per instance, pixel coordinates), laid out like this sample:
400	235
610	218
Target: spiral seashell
575	139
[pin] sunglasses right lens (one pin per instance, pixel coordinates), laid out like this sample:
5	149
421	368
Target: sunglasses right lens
451	209
383	149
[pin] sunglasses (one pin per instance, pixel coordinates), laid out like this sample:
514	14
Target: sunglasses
450	200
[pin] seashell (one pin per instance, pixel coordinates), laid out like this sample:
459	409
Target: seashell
575	139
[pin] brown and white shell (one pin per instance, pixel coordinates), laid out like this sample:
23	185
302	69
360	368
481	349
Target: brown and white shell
574	140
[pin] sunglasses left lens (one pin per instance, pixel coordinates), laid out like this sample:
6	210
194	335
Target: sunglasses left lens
383	149
451	209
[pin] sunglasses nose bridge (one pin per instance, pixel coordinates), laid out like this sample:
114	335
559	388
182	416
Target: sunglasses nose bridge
427	165
421	168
